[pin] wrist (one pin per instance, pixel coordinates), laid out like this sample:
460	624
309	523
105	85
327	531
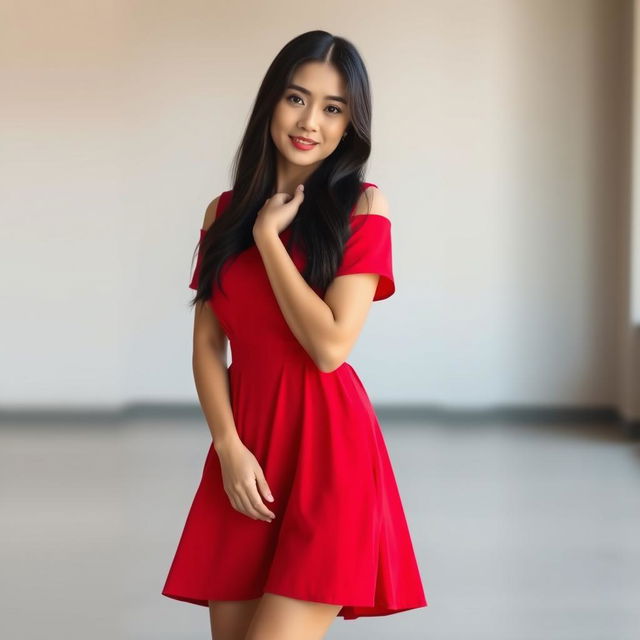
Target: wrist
225	442
263	235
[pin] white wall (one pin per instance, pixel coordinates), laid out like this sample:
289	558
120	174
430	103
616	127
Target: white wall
500	137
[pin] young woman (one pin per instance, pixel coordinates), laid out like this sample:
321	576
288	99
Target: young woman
297	518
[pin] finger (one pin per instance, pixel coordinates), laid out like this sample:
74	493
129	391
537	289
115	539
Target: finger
245	505
264	487
295	199
237	503
234	503
240	501
246	496
258	505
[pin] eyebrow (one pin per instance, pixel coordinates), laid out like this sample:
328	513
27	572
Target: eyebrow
303	90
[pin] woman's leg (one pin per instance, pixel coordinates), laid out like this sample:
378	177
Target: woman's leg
282	618
230	619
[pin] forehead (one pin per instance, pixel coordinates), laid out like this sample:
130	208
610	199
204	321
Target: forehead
320	78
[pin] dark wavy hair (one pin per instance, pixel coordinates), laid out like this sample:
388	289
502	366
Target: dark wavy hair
321	226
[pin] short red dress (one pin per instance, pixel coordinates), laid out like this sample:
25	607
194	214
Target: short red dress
340	534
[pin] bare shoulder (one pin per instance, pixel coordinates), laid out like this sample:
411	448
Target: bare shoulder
372	200
210	213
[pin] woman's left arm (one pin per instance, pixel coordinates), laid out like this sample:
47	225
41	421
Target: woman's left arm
326	328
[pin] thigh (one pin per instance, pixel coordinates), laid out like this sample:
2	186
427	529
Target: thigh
282	618
230	619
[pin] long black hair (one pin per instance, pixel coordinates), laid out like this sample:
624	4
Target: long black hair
321	225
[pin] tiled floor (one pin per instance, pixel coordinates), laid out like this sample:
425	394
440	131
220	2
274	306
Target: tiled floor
522	532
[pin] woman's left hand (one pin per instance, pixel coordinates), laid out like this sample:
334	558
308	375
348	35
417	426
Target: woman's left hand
278	212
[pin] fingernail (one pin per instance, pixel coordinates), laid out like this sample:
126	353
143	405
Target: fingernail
269	497
301	187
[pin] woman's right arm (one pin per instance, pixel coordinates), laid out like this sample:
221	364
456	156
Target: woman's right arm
210	365
210	375
243	477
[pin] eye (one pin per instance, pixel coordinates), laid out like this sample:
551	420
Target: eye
331	106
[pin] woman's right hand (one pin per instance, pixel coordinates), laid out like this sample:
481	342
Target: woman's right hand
242	476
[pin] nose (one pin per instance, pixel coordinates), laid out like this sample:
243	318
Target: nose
308	120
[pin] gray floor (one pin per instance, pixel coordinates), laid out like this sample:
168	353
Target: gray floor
522	532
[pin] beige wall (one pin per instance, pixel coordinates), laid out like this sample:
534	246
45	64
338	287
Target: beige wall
500	136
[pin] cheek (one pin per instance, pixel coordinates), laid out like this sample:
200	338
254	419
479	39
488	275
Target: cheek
279	116
338	126
336	132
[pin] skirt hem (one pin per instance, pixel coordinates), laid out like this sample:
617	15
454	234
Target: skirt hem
348	612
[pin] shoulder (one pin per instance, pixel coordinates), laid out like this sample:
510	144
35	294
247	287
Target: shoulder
210	213
214	208
372	200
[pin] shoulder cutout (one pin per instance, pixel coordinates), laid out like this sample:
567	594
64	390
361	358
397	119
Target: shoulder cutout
368	248
372	200
210	213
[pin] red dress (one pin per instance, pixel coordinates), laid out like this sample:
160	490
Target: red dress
340	534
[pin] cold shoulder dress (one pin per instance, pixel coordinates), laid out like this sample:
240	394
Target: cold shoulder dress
340	534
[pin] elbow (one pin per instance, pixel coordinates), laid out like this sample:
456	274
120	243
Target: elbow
329	359
206	348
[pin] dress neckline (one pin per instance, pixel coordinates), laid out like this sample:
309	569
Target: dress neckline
360	215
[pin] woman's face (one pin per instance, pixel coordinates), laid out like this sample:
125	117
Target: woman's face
305	110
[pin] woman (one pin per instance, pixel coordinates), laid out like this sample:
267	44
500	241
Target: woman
297	518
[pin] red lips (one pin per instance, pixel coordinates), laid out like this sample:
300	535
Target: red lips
306	140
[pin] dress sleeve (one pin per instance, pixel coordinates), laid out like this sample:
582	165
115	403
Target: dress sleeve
196	272
368	250
223	201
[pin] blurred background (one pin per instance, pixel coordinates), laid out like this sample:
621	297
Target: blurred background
505	371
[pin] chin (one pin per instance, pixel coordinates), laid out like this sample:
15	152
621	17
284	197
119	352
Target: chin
303	161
